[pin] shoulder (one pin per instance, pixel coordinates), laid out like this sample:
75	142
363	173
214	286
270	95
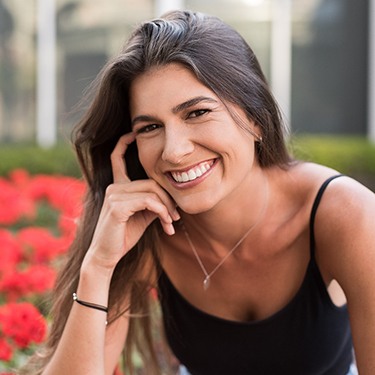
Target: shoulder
343	193
342	196
298	186
344	221
346	210
344	231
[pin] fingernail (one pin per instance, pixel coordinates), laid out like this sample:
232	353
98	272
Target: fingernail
171	230
176	215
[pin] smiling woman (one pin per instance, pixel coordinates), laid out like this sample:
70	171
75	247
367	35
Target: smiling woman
187	138
192	193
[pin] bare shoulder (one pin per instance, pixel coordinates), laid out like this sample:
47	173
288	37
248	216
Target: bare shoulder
342	191
346	209
295	189
344	230
345	218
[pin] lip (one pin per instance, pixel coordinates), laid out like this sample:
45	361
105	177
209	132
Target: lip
197	180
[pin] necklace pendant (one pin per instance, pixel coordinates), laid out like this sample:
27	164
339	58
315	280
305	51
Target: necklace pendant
206	282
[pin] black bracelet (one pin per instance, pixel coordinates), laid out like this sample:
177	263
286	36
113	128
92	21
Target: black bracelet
88	304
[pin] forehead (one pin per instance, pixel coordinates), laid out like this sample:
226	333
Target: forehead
165	72
165	86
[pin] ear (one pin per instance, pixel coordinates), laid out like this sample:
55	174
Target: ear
258	138
256	131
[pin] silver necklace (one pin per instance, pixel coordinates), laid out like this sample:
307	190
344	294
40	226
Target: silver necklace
208	275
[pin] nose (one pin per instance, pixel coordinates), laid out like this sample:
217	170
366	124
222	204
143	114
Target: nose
177	144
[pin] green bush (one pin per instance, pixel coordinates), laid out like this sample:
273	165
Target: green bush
348	154
353	156
56	160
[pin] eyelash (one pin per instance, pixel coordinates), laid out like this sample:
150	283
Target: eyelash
147	128
198	113
191	115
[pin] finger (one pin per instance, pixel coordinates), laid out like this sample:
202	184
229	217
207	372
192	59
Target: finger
123	205
150	185
117	158
166	225
150	206
157	208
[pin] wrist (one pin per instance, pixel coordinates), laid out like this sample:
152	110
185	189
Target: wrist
94	273
98	267
94	284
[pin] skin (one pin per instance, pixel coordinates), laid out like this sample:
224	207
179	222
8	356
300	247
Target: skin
174	133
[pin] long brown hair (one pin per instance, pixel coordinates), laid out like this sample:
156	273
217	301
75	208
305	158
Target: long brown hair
221	60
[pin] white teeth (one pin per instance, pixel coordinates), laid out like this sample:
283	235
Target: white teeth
193	173
184	177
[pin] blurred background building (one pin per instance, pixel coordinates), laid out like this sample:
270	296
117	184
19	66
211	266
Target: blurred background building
317	54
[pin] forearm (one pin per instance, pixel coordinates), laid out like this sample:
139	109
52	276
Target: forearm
81	348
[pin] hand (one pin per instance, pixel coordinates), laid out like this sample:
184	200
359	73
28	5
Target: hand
128	209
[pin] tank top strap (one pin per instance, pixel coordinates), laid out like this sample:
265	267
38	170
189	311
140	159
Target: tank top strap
314	210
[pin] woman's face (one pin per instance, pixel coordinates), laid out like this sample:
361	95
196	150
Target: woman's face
187	140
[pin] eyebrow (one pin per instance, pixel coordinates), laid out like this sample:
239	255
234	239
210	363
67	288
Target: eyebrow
178	108
191	102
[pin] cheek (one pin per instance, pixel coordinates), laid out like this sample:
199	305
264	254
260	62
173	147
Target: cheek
141	147
147	154
242	147
247	142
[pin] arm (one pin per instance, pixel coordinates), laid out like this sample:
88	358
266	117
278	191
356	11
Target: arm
85	338
86	345
346	243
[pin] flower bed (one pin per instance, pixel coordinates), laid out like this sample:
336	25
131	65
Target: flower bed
37	224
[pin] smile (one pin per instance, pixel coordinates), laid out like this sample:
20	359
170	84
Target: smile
193	173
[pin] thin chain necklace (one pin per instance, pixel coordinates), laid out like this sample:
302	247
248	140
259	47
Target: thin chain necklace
208	275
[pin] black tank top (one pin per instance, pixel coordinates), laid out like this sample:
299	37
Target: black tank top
309	336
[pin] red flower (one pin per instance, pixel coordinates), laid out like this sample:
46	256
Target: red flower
67	196
13	285
6	351
63	193
13	204
40	278
22	323
68	228
40	245
35	279
20	178
27	258
11	251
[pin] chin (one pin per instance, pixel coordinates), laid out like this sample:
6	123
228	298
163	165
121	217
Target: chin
196	206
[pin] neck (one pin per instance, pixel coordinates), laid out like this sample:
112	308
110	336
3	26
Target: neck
221	227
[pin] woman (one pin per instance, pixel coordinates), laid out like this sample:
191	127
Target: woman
253	255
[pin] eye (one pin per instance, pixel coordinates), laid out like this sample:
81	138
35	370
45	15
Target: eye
198	113
147	128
